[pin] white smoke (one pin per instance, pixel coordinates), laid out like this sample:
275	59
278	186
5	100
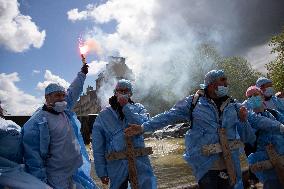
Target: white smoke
160	39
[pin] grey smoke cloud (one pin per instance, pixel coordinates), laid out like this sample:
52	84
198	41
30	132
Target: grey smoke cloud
160	39
233	26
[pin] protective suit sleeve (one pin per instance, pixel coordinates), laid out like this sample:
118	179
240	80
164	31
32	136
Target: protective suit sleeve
263	123
244	129
135	113
246	132
99	148
33	160
75	90
178	113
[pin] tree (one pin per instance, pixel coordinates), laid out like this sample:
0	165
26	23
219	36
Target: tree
276	67
159	97
240	75
239	71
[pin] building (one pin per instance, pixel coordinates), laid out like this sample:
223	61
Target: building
116	69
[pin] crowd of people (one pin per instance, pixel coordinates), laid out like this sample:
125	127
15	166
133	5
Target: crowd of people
49	152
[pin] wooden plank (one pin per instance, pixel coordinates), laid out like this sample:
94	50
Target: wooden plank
260	166
275	161
137	152
133	176
226	152
130	154
210	149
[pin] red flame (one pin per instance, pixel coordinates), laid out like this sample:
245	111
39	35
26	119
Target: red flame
84	49
90	45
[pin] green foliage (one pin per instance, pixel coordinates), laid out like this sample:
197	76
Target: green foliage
238	70
240	75
205	58
276	74
276	68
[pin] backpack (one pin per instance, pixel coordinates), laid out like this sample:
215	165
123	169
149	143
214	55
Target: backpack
194	101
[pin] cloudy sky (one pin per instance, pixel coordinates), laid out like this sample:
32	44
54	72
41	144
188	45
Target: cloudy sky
39	39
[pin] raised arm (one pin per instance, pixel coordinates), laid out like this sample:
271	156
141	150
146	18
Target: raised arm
75	89
178	113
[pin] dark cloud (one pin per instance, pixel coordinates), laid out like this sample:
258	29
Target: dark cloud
233	25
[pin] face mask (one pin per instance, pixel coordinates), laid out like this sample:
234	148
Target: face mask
222	91
125	96
60	106
269	91
255	102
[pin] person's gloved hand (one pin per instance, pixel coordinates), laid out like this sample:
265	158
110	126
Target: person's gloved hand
243	114
122	99
133	130
105	180
85	69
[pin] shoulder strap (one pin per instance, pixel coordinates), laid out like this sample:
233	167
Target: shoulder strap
224	104
194	101
273	112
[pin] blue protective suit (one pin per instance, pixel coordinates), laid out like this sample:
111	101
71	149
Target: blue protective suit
12	173
38	139
267	134
275	103
205	124
10	141
108	136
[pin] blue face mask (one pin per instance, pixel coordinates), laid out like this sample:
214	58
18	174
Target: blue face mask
255	102
222	91
269	91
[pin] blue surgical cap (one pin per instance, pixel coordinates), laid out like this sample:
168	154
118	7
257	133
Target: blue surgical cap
212	76
123	83
54	87
261	81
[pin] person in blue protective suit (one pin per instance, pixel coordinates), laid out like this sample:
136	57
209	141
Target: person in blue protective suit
270	100
212	111
280	96
54	150
265	136
12	173
108	137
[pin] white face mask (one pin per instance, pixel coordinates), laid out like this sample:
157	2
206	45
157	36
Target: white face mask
60	106
122	96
